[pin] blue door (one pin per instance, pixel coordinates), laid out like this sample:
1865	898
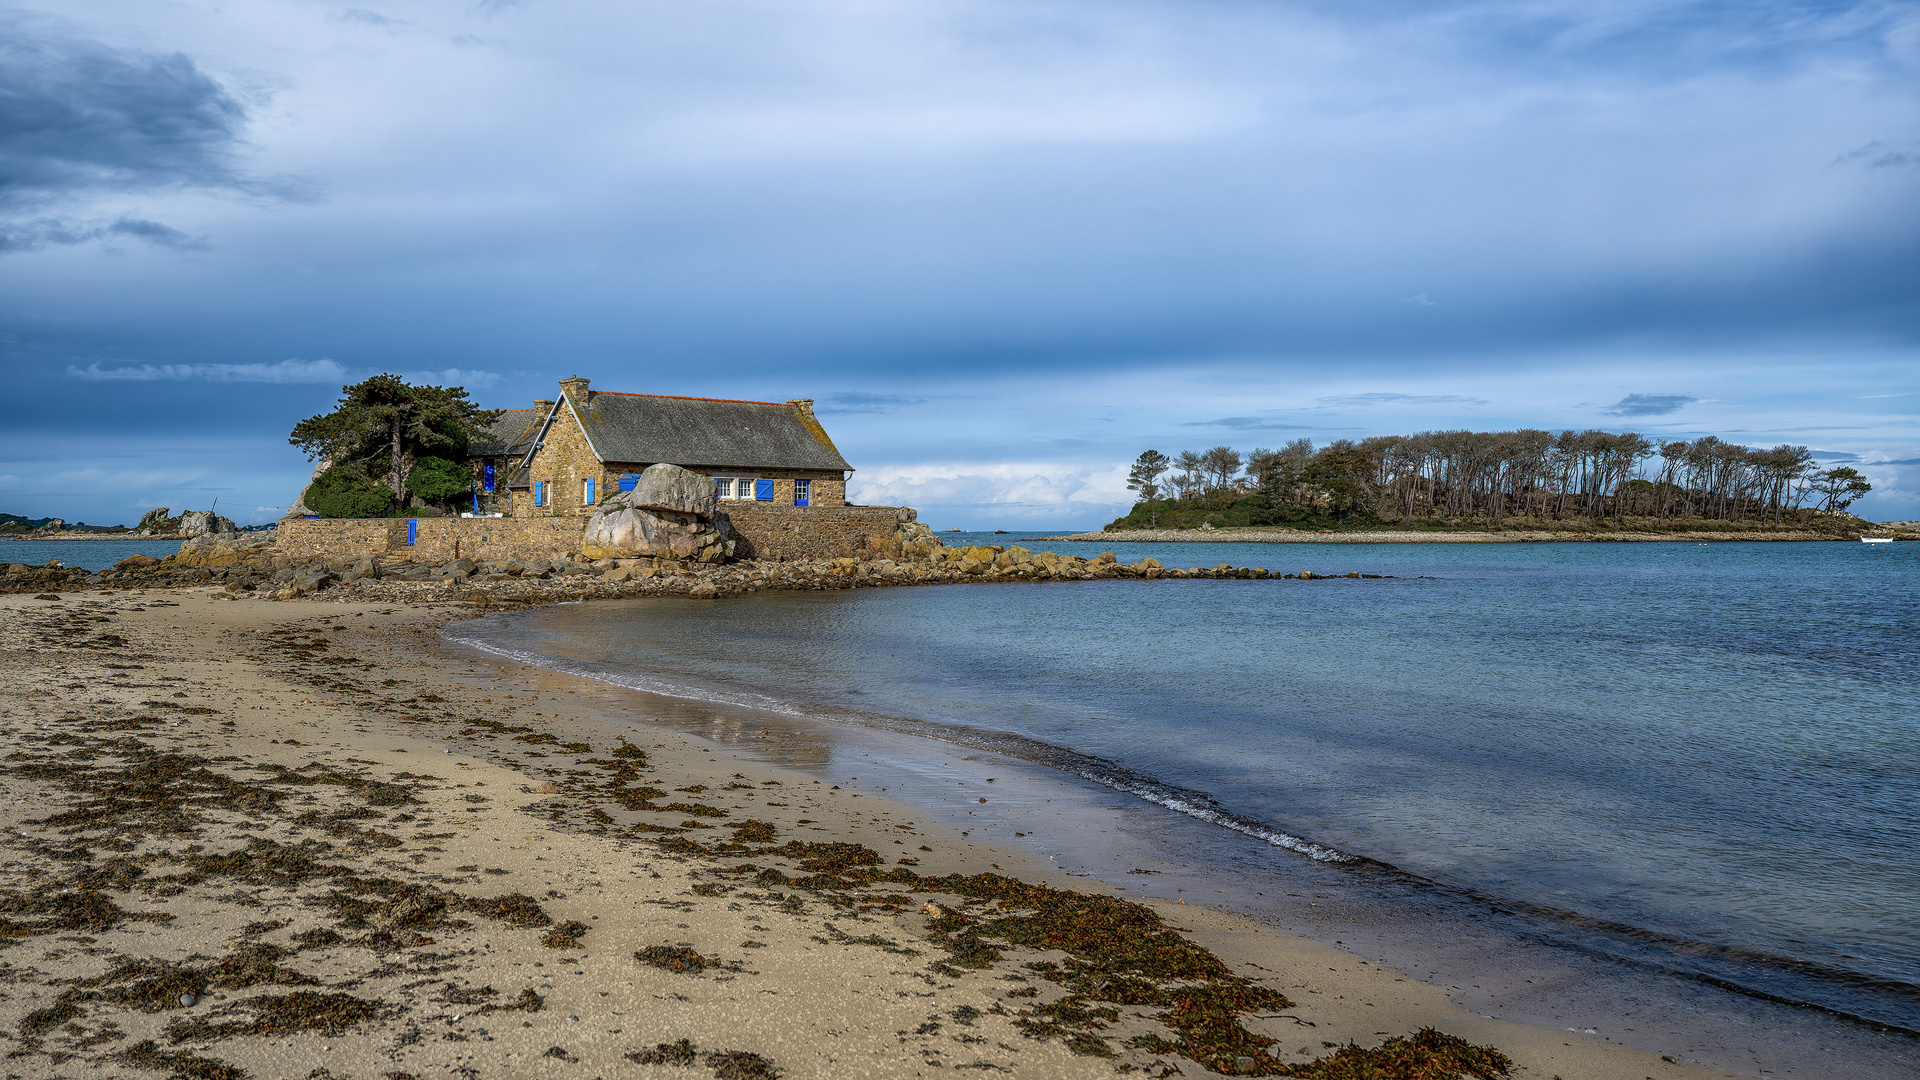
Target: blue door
489	478
763	490
413	530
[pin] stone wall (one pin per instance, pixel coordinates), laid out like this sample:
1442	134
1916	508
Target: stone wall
435	539
761	530
778	532
301	538
440	539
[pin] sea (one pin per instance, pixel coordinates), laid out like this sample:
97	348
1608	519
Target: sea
90	554
1676	785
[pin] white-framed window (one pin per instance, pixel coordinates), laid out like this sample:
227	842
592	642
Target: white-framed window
723	487
733	487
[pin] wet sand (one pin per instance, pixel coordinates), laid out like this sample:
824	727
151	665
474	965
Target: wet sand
357	854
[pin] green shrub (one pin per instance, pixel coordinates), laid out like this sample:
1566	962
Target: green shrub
346	493
437	478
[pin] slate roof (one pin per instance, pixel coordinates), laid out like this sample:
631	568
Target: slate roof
511	434
645	429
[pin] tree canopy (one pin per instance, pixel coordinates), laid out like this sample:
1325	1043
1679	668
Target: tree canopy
1456	475
385	436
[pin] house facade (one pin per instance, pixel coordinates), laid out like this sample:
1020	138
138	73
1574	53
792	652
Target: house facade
563	457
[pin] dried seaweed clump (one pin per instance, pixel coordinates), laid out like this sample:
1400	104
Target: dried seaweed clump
148	1055
739	1065
1428	1055
565	936
726	1064
673	1053
678	959
752	831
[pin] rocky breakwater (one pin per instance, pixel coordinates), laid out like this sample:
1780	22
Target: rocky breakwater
671	513
48	578
249	566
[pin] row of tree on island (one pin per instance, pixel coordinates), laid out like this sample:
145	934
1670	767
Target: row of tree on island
1488	476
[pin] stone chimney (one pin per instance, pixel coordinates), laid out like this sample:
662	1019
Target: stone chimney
542	405
575	389
804	406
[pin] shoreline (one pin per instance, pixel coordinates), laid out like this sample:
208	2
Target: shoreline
614	911
1541	536
1516	963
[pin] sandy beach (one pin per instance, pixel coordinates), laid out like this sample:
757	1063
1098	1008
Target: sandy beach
295	839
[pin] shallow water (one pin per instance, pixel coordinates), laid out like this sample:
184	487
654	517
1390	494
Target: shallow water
89	554
1699	759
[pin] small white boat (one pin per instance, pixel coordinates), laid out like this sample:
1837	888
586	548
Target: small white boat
1876	539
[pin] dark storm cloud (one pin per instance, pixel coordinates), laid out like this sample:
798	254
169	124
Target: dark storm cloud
78	119
1649	404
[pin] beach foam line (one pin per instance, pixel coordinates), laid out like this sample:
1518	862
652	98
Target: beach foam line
1194	804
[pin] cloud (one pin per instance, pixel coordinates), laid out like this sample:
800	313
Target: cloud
1349	401
1901	461
1877	156
858	402
1833	455
80	119
154	233
1242	423
1024	490
448	377
368	16
1649	404
286	371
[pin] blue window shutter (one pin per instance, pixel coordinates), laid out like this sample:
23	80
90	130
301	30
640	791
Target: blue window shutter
763	490
413	530
628	483
589	499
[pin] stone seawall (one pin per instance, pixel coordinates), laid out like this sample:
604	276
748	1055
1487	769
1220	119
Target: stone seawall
434	539
777	533
769	532
303	538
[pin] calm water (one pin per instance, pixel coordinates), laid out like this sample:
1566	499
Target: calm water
1701	757
90	554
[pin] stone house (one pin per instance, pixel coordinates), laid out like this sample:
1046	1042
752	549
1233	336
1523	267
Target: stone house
562	457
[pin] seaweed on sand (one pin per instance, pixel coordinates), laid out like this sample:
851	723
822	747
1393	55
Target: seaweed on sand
739	1065
281	1014
1118	953
565	936
148	1055
673	1053
678	959
1427	1055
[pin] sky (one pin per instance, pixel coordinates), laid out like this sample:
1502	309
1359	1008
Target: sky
1005	246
